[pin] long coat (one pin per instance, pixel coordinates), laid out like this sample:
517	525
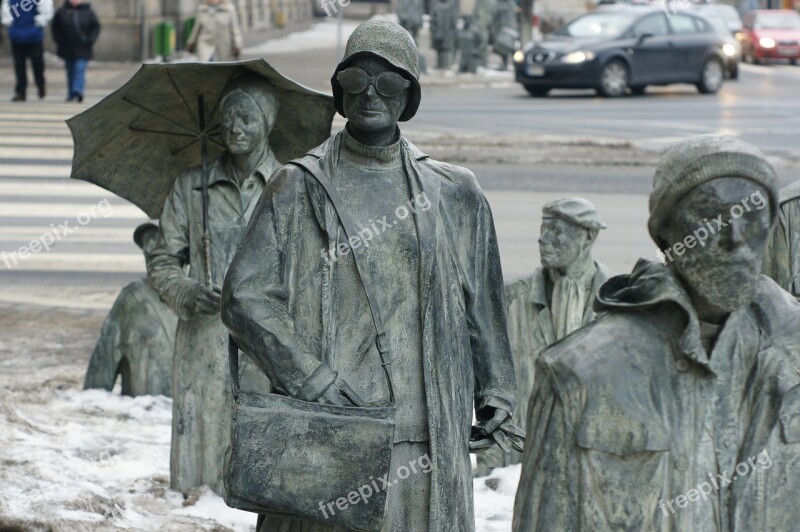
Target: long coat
136	340
202	398
782	259
216	33
530	331
630	412
278	306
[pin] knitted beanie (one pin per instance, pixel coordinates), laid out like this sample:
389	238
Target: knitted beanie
690	163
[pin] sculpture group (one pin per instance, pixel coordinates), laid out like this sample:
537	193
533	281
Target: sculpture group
366	277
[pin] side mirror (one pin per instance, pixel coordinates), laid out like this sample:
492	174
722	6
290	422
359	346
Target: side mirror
643	37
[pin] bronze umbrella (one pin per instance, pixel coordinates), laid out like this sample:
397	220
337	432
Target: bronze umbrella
165	119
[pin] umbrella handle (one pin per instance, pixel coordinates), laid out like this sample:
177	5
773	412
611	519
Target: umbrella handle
204	156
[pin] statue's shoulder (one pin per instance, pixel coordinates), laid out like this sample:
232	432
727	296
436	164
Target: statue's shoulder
603	351
790	193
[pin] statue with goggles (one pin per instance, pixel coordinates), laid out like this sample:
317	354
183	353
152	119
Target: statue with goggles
294	300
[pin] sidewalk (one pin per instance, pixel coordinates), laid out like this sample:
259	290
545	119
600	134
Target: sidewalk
305	52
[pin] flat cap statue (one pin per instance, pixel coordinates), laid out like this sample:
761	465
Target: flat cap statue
782	260
137	338
556	300
426	232
688	379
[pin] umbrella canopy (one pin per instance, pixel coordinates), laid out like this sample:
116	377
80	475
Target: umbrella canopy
137	140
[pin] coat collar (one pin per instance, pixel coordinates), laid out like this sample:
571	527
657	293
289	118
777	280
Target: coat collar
220	171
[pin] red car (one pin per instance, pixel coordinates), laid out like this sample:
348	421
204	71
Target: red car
771	34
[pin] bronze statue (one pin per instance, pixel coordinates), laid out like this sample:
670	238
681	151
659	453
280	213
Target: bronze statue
469	41
137	337
688	378
444	22
201	382
294	301
553	302
782	260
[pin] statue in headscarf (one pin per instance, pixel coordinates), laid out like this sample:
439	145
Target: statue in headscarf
552	303
687	380
782	260
294	299
409	15
482	17
137	337
201	380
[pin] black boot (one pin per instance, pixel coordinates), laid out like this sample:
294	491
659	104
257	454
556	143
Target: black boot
18	98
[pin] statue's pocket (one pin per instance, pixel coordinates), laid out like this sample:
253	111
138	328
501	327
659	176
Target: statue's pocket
622	436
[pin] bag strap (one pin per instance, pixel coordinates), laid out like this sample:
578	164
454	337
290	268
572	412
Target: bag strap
313	168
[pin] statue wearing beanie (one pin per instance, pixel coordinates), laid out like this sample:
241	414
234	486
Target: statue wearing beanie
426	233
695	161
685	373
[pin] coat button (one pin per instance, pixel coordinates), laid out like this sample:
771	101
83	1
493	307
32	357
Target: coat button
727	442
682	365
681	464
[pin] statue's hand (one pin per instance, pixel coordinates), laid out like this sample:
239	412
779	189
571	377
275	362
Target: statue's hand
341	394
204	300
499	431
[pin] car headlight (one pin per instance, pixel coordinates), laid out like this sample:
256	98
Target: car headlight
519	56
729	50
575	58
766	42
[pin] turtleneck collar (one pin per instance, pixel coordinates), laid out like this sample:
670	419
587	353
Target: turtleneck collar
373	157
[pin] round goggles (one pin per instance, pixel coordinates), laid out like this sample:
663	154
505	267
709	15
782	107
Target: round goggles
388	84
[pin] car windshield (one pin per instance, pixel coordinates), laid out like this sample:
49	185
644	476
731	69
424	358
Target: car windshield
598	25
726	13
777	21
719	25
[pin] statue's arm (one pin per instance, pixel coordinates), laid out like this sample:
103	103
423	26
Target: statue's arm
258	289
486	316
165	264
547	496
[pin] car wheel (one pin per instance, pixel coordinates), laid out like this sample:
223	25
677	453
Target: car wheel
613	80
537	92
711	77
794	62
638	89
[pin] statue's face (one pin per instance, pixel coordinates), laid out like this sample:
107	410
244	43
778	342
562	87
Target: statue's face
724	270
370	111
243	127
561	242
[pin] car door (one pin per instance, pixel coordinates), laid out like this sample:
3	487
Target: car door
692	42
651	51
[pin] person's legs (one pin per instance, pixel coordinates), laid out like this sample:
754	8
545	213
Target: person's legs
20	53
79	78
37	61
69	67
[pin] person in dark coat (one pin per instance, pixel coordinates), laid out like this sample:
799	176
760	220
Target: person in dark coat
75	30
26	22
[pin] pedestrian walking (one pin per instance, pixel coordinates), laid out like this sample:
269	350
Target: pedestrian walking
216	35
75	30
26	22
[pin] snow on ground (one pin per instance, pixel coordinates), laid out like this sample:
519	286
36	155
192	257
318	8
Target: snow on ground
73	460
320	36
